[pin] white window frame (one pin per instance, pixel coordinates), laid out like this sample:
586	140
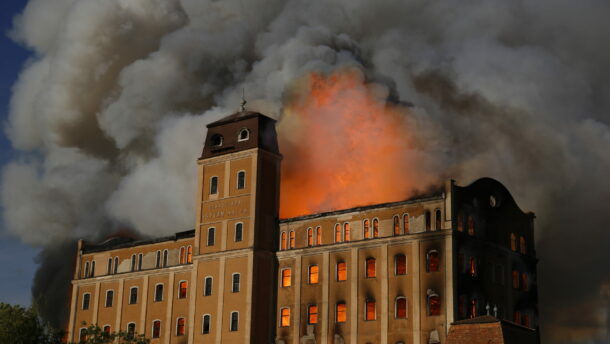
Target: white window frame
176	332
209	323
137	292
366	310
233	283
158	259
239	139
134	327
217	186
187	290
280	317
205	285
92	269
235	232
237	180
162	292
83	302
231	321
396	307
106	299
208	237
133	262
428	259
152	329
109	272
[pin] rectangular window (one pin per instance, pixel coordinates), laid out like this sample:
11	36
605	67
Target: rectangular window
235	284
207	286
213	185
400	264
313	274
239	232
211	236
86	300
205	328
234	321
180	327
370	313
182	290
286	277
341	271
312	314
285	317
156	331
370	268
292	239
341	312
133	295
241	180
109	298
159	292
318	235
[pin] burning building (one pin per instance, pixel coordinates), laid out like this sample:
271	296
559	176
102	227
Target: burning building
397	272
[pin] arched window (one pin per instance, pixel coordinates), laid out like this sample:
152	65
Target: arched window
341	271
400	264
437	219
371	268
428	221
214	185
133	262
86	273
434	303
182	255
239	232
234	321
471	229
400	306
313	274
366	229
206	324
241	180
286	277
165	258
86	301
211	236
189	254
140	256
312	314
116	264
158	259
158	292
109	298
524	281
133	295
216	140
283	241
180	326
92	268
396	225
310	236
337	233
405	223
109	266
244	134
369	310
318	235
207	286
341	312
473	308
131	330
473	266
236	282
292	239
182	289
156	329
460	222
375	228
346	231
515	279
522	246
107	329
432	261
285	317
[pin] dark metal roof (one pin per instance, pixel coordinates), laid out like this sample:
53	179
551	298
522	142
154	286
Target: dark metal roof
238	116
124	242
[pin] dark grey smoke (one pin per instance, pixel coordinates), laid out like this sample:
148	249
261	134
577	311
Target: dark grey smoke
110	115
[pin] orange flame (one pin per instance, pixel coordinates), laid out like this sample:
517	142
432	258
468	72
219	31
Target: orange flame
344	145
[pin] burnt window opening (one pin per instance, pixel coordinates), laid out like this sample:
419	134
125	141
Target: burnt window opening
396	226
370	310
375	228
405	220
180	327
473	308
216	140
312	314
244	135
437	219
522	246
432	261
400	311
516	279
433	303
286	278
341	312
473	267
367	232
460	222
513	242
428	221
371	269
471	226
400	264
341	271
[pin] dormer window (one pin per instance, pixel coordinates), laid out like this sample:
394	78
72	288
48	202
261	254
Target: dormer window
216	140
244	135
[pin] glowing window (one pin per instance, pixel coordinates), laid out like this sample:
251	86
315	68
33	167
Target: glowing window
346	231
432	261
434	304
284	317
241	180
437	219
239	232
375	228
401	308
522	246
189	254
396	226
213	185
182	290
524	284
309	236
473	266
405	222
159	292
337	233
206	324
428	221
133	295
292	239
109	298
367	230
470	225
400	264
312	314
313	274
283	241
156	329
341	312
182	255
473	308
371	268
370	313
286	277
207	286
86	300
180	326
526	320
234	326
211	236
341	271
318	235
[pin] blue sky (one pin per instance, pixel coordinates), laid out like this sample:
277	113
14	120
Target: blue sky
16	259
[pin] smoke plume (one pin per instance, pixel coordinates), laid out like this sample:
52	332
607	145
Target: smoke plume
109	116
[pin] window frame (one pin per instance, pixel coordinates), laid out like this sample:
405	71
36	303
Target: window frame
155	298
318	235
189	254
243	186
209	316
438	219
283	241
366	267
338	233
140	261
406	227
367	302
347	232
310	240
309	314
396	257
428	255
111	298
396	300
131	334
337	271
292	239
165	258
131	295
177	333
236	328
109	270
211	234
213	185
186	289
152	328
241	232
282	278
396	230
344	312
433	294
375	227
239	138
366	229
310	273
233	282
282	309
208	291
88	298
158	259
116	265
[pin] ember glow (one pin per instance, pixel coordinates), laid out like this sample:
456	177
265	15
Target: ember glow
344	145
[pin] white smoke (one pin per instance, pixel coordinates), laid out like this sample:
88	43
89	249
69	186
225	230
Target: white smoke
110	115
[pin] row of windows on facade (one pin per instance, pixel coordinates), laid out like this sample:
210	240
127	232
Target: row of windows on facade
513	244
206	326
400	268
241	182
469	224
243	135
185	257
238	234
520	280
343	233
433	308
158	295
